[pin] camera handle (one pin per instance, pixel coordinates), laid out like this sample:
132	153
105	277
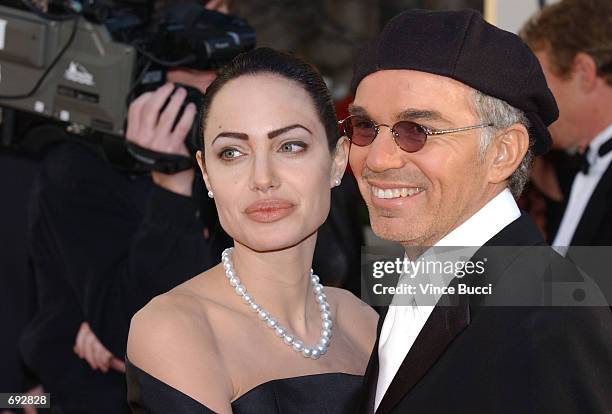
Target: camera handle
159	161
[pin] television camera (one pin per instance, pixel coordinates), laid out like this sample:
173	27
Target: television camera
79	63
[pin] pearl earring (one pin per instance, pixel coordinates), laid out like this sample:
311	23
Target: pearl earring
210	194
337	182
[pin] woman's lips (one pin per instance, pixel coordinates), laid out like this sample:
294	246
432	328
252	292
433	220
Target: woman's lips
268	211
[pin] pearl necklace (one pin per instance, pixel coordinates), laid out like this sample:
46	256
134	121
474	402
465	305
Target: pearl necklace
313	352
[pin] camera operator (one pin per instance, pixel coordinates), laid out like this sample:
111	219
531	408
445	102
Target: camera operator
103	243
172	216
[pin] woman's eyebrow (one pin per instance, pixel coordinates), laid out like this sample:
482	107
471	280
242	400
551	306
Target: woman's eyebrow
280	131
271	134
238	135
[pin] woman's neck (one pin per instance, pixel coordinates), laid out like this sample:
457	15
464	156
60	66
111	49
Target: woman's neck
279	281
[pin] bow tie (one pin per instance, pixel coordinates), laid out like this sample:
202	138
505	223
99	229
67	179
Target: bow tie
605	148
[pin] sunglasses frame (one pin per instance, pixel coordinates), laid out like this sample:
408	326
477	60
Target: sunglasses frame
427	131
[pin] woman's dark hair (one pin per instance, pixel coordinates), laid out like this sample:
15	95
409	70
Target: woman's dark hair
268	61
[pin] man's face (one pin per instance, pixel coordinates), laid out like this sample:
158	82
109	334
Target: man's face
446	174
567	130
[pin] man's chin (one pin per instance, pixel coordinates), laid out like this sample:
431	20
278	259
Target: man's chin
390	228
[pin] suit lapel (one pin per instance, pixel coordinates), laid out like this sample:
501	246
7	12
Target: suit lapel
441	328
594	211
371	374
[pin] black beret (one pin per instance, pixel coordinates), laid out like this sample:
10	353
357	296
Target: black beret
461	45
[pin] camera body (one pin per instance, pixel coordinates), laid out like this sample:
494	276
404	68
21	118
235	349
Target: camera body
88	85
82	70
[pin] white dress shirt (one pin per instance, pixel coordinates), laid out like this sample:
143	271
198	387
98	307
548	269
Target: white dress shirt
582	190
403	324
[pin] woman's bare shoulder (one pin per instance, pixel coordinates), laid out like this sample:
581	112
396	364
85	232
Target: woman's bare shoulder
171	339
170	312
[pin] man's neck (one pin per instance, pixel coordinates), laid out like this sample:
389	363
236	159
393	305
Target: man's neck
489	220
597	117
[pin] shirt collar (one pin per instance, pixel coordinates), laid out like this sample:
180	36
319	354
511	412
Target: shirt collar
597	142
485	223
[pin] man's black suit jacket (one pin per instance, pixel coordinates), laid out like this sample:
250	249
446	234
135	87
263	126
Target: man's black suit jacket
473	358
594	229
595	225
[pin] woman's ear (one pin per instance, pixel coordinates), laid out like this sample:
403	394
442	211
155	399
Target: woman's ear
202	164
507	152
339	161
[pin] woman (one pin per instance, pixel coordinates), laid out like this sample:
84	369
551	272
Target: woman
258	333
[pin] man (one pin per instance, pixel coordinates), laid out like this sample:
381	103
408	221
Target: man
572	40
482	106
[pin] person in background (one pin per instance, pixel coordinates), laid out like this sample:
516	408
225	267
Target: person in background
572	40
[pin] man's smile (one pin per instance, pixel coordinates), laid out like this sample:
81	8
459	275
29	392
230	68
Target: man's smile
397	192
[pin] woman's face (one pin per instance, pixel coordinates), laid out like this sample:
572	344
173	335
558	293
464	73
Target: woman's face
267	161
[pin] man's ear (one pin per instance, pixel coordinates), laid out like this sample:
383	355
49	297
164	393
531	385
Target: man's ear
585	70
202	164
507	152
339	160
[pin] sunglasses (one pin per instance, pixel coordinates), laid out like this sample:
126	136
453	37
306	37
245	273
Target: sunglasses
408	135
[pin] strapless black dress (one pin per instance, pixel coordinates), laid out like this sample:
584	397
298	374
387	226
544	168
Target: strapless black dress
328	393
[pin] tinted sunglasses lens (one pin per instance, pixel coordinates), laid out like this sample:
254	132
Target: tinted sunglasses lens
409	136
361	131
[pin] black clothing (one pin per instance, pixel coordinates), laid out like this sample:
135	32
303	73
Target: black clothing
17	288
477	358
116	240
331	393
103	244
604	149
337	255
595	229
595	225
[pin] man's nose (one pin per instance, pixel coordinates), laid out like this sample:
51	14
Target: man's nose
384	154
